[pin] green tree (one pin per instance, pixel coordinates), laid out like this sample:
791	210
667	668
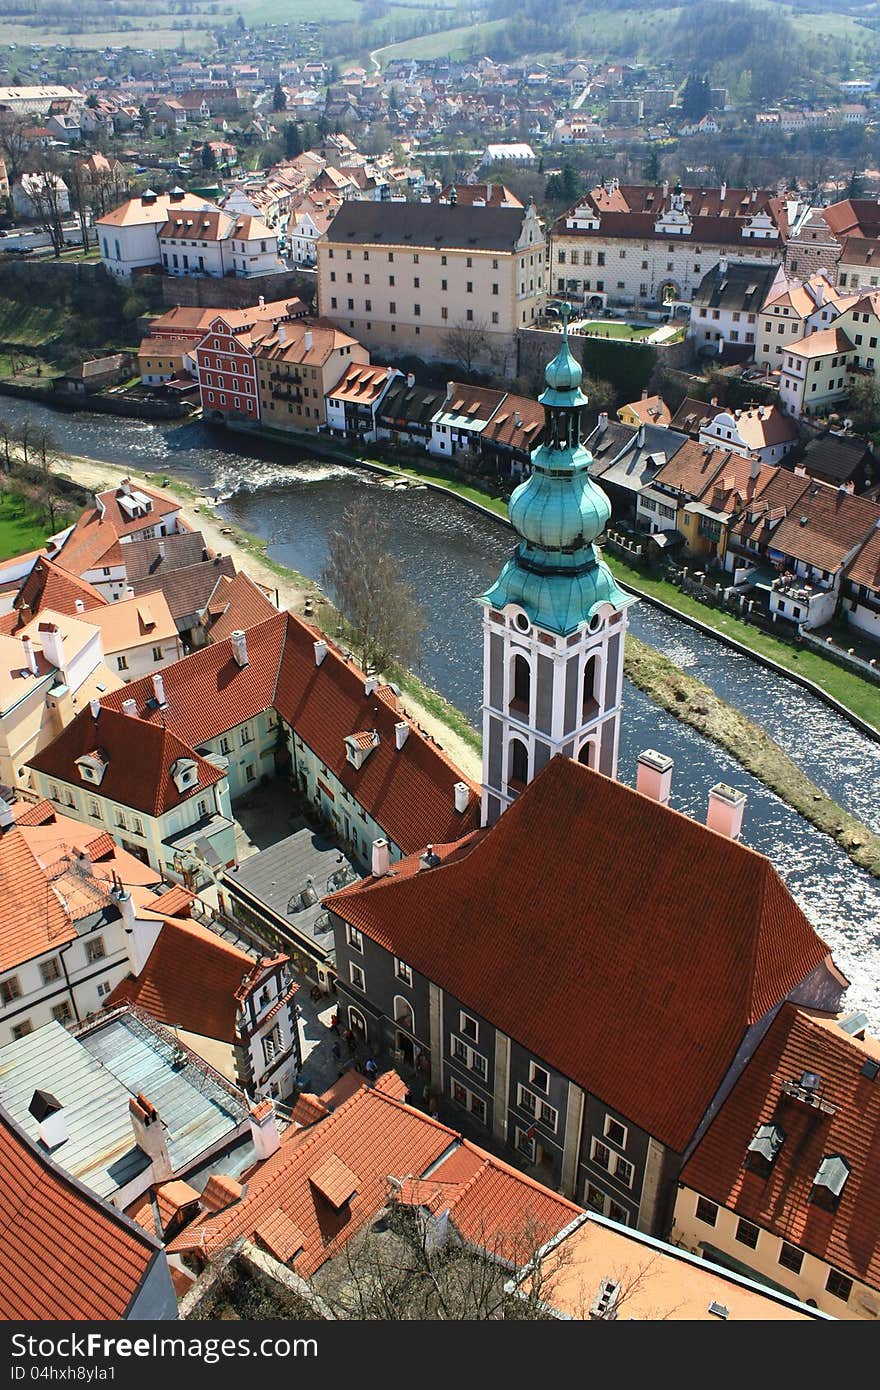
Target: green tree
864	405
279	98
696	97
208	157
293	144
651	170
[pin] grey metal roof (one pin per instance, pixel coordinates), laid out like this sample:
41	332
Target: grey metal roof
276	879
94	1077
429	225
743	286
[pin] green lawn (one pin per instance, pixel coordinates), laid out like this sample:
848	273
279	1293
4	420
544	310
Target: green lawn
462	42
632	331
21	527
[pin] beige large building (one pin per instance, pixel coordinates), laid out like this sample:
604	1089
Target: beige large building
441	281
296	365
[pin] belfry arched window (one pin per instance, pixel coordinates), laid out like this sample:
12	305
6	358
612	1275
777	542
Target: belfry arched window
520	685
518	763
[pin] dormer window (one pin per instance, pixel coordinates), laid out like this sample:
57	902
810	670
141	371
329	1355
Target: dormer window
358	747
829	1182
92	766
764	1148
184	774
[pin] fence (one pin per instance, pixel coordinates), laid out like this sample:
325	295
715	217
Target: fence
844	656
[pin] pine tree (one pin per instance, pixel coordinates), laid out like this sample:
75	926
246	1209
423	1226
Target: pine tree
279	99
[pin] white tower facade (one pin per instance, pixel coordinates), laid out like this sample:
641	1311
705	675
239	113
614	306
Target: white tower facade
555	619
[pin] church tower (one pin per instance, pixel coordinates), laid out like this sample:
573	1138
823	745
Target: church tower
554	620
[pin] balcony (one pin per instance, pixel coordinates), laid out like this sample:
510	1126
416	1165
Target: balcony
279	393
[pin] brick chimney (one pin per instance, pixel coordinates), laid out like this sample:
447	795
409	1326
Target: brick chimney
239	647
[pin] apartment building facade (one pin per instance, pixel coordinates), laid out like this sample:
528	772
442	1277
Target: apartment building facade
297	365
440	281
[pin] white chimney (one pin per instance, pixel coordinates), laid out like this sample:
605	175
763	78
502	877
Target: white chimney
726	806
264	1130
125	486
261	301
462	796
308	340
48	1111
450	387
130	708
79	605
320	651
150	1136
654	775
53	644
159	688
161	549
30	655
95	707
239	647
410	380
282	334
723	191
603	421
722	266
401	733
381	858
370	685
141	933
640	437
129	591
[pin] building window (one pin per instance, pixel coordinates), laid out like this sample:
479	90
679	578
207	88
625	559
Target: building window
539	1077
250	773
122	663
706	1211
357	977
95	949
21	1030
468	1026
417	310
157	653
63	1013
525	1143
354	938
469	1101
271	1045
104	988
838	1285
49	970
790	1257
474	1061
615	1131
403	972
10	990
747	1234
527	1100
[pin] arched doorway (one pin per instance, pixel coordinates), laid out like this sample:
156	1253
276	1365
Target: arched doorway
669	292
404	1017
357	1023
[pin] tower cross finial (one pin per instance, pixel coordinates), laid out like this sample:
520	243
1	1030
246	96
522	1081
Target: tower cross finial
565	315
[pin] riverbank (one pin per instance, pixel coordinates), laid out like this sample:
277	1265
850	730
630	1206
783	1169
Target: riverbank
447	725
697	705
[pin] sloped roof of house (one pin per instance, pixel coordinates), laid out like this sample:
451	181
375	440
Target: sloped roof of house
799	1042
190	980
49	586
323	1185
434	225
188	588
135	622
237	604
692	414
825	525
651	410
409	791
138	755
539	936
66	1253
865	567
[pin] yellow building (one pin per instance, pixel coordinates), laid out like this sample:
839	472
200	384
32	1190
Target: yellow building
443	281
297	364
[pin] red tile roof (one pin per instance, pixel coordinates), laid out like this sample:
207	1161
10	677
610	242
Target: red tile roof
334	1180
798	1042
408	791
189	980
94	539
865	568
694	467
49	586
371	1137
240	604
65	1253
836	522
538	937
139	759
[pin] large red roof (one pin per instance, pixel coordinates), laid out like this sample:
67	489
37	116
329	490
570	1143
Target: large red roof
49	586
65	1254
138	758
798	1042
408	791
623	943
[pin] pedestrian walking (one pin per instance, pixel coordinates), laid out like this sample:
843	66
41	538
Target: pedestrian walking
350	1039
371	1071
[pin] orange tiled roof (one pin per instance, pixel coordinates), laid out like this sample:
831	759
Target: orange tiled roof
373	1136
591	951
190	979
693	468
49	586
865	568
65	1254
797	1042
408	791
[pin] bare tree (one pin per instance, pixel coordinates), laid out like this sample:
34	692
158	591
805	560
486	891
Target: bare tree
466	344
7	438
378	605
14	144
42	442
46	192
81	195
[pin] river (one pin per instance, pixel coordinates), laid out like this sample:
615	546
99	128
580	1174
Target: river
450	554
